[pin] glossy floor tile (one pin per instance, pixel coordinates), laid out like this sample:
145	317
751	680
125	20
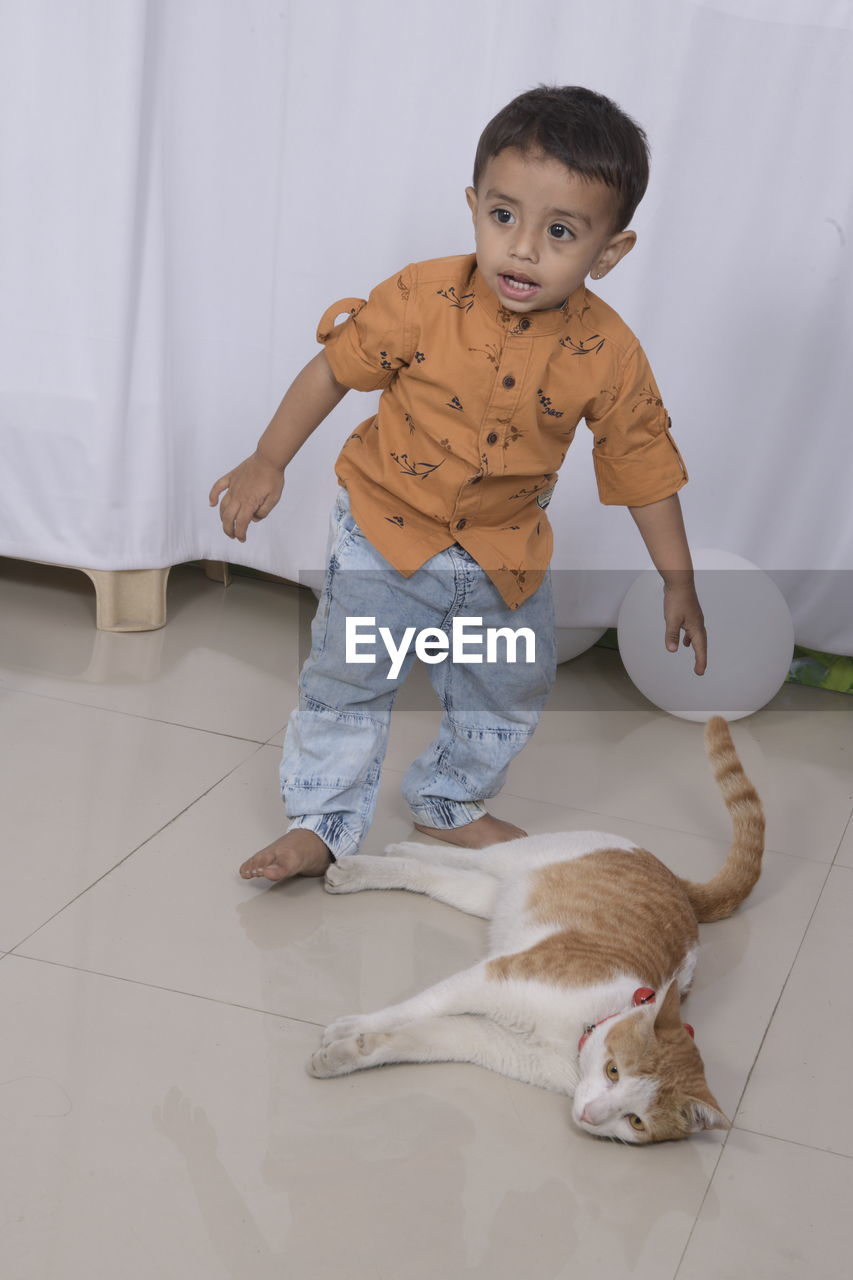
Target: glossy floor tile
775	1211
795	1091
601	762
291	949
217	664
81	788
296	951
156	1011
193	1143
592	748
844	857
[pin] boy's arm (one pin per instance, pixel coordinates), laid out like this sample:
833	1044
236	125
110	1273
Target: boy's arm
662	529
254	487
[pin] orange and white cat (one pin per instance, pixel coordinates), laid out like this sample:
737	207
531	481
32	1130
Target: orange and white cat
592	943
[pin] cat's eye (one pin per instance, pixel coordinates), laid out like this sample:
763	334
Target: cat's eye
611	1070
636	1123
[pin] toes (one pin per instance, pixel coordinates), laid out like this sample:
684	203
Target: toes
270	871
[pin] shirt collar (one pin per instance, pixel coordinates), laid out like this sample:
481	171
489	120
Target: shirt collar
532	324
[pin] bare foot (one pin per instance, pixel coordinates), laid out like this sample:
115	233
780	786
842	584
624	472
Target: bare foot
299	852
478	834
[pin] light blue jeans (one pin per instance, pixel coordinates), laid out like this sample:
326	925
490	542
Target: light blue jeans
336	738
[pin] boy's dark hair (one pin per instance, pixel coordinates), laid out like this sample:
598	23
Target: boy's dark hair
585	131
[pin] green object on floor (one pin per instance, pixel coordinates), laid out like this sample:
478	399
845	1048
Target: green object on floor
821	670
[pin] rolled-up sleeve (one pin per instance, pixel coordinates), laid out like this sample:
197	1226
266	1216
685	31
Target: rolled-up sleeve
372	338
636	459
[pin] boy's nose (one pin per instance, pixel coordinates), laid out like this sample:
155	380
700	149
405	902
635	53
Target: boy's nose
524	247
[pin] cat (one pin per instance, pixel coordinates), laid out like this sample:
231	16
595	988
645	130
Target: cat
592	943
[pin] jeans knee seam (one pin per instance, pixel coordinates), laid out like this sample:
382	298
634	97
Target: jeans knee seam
310	703
499	732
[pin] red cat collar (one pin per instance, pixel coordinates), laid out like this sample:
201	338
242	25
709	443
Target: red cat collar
643	995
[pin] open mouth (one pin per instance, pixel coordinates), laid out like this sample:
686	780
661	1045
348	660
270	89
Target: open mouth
518	287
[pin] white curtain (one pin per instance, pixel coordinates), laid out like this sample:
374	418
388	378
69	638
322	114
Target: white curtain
187	184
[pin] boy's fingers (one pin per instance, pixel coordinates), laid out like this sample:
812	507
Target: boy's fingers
219	488
269	501
696	636
264	508
700	650
229	514
243	517
241	505
235	526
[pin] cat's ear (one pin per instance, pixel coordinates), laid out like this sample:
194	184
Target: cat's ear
704	1113
668	1010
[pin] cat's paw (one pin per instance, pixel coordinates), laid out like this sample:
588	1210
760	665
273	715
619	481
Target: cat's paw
352	1054
344	876
344	1028
407	849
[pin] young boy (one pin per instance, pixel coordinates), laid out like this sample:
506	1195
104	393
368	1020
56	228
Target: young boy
487	364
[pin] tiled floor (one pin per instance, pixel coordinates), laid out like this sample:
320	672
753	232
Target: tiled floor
156	1011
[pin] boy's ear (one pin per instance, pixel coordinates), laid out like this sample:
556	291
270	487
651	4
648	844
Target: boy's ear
613	252
471	197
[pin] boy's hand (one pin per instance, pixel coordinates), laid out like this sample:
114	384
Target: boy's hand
682	612
251	491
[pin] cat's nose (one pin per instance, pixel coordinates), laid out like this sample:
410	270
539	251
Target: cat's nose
597	1111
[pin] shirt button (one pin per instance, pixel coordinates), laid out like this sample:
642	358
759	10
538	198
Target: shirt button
524	324
492	437
509	380
460	524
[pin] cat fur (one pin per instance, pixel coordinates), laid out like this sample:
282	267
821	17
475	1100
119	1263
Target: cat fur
580	921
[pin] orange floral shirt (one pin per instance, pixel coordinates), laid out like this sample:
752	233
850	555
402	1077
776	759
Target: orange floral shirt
479	406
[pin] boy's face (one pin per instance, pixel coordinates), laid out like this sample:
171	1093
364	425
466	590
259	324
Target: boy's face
540	229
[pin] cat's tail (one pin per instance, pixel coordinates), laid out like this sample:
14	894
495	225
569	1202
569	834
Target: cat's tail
738	874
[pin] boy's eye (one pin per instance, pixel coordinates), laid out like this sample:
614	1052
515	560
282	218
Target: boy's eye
559	231
502	215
